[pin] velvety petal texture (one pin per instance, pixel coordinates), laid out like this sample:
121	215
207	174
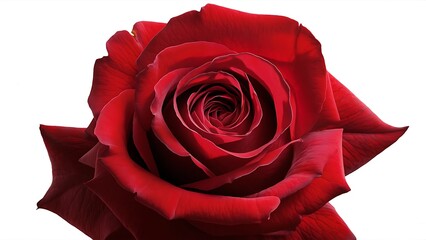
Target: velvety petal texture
117	71
68	196
324	224
219	125
365	135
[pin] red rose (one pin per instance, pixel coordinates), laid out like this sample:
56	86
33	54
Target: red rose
217	125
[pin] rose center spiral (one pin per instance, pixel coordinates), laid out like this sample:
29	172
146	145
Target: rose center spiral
216	106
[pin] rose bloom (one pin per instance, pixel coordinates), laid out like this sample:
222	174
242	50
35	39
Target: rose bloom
217	125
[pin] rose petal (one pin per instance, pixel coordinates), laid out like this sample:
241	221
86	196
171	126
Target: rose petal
108	82
173	168
124	116
150	189
144	31
142	144
118	112
123	49
272	37
265	175
365	135
307	78
68	196
329	114
90	157
324	224
163	87
159	127
116	72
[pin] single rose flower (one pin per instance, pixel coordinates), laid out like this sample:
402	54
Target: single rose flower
217	125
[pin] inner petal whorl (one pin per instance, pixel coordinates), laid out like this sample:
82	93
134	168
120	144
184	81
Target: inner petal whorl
215	104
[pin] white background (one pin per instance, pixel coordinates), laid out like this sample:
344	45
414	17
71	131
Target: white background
376	48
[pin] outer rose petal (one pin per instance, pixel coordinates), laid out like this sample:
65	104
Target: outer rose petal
123	49
272	37
145	31
114	73
112	129
117	72
68	196
365	135
324	224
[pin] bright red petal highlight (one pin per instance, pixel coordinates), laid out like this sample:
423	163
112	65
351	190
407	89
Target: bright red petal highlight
116	72
306	76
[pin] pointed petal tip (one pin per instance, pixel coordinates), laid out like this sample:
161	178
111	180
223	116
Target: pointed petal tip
360	148
404	129
39	204
401	131
274	203
42	128
43	204
397	132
